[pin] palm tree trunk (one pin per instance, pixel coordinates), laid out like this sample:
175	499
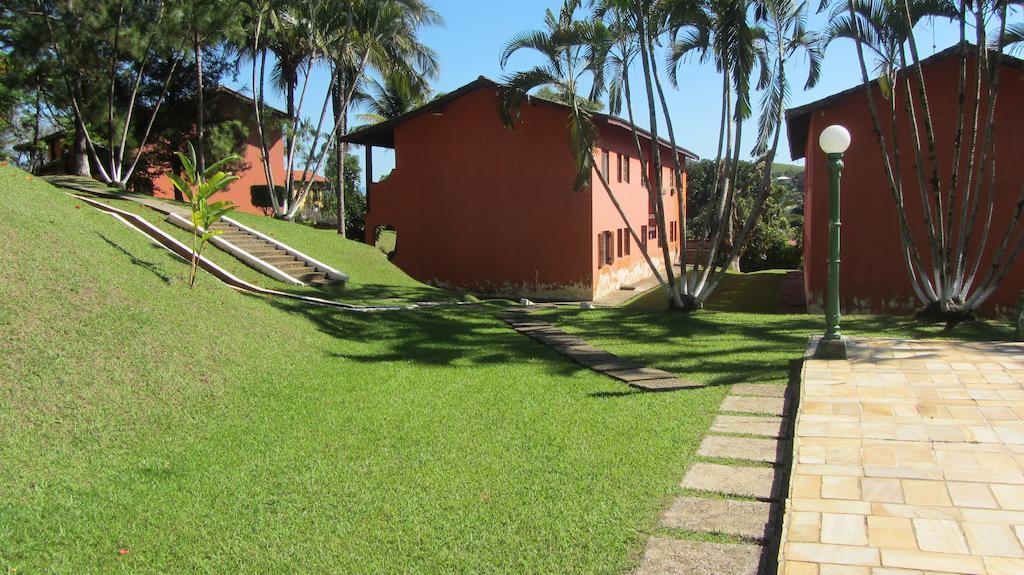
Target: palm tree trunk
656	189
677	173
340	154
259	61
912	259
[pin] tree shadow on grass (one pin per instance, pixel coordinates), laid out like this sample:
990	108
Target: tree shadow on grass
443	336
149	266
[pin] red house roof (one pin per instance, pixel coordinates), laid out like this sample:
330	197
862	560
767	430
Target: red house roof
383	134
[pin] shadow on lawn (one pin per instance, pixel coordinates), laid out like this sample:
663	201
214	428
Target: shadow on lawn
722	349
149	266
469	334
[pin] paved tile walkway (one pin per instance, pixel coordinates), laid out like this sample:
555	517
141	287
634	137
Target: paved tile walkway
909	459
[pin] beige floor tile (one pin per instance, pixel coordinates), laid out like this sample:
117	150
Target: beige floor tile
992	540
971	495
882	489
805	527
932	561
1010	497
918	492
798	568
824	553
940	535
843	529
845	570
840	487
891	532
1004	566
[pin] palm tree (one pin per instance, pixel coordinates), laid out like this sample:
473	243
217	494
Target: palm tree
574	51
382	36
786	34
397	94
721	32
949	285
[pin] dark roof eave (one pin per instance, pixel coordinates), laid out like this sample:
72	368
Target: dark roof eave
383	135
798	119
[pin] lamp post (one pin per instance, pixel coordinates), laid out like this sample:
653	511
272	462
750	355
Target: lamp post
834	140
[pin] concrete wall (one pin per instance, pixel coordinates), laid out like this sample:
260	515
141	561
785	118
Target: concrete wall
874	278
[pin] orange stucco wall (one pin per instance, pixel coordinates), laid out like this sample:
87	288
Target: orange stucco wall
491	210
629	268
874	278
250	173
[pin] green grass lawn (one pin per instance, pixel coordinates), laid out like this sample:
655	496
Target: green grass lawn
755	292
211	431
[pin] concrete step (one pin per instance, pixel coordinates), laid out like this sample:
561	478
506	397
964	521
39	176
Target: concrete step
282	259
310	277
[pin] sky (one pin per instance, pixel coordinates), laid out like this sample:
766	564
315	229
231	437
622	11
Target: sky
476	31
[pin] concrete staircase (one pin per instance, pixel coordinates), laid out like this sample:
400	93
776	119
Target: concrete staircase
273	255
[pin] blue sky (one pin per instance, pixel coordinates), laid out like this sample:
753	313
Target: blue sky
476	31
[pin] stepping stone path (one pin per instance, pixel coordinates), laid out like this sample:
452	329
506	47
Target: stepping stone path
578	350
740	501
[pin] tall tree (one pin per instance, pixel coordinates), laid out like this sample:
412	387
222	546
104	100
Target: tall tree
103	52
957	276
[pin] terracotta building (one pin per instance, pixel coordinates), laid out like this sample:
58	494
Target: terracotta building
874	278
247	192
485	208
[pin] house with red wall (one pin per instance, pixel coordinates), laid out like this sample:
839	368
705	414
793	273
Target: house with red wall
226	103
251	177
484	208
874	278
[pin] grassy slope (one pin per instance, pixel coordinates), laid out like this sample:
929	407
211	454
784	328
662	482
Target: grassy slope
373	279
305	439
298	439
756	292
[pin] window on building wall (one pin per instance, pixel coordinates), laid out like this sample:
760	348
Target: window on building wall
604	164
605	249
627	240
643	237
618	172
618	242
625	168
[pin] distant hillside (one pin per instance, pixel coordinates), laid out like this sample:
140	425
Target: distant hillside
786	170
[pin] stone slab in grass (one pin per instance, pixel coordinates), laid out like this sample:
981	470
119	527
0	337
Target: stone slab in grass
638	373
759	389
766	450
756	482
766	405
663	556
747	519
668	384
768	426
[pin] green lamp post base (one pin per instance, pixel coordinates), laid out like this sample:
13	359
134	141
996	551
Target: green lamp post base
830	348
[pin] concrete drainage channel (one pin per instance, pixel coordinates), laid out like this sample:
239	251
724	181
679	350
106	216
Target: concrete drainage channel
181	250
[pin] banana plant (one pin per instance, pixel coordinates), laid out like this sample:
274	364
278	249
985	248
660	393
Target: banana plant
198	186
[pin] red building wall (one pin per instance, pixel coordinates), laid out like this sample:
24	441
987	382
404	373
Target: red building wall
491	210
874	278
485	208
